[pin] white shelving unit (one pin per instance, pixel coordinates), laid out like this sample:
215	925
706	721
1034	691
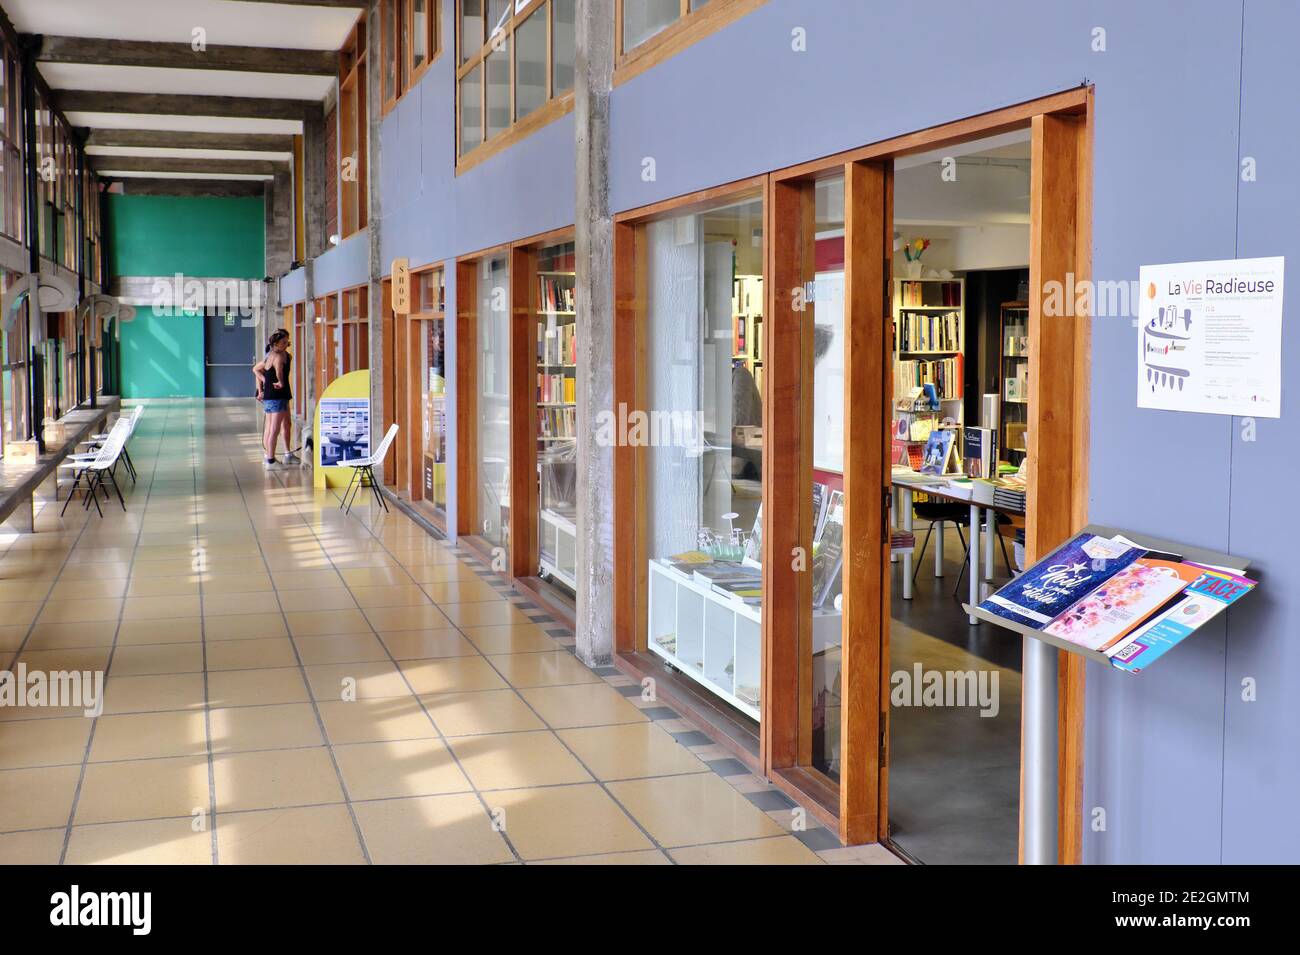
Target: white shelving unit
558	547
714	639
931	288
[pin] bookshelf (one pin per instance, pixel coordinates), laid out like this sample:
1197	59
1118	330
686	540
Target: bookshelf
1013	379
557	324
747	324
929	348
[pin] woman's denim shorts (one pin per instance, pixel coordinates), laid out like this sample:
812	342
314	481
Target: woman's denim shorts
275	405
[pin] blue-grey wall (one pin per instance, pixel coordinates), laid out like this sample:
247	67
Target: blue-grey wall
1184	769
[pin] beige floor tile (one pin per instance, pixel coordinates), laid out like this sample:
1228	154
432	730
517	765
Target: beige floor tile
426	617
38	847
309	623
36	589
431	830
427	644
512	638
365	721
784	850
251	654
692	810
83	589
484	614
141	694
633	751
275	778
165	568
444	573
643	857
114	569
374	576
560	821
160	608
81	659
512	760
160	587
149	842
37	798
473	714
12	637
361	681
143	789
29	743
551	668
227	604
256	687
236	584
461	591
53	636
276	726
306	580
396	595
338	598
244	626
413	767
171	630
149	735
21	613
308	835
585	704
156	658
452	674
341	648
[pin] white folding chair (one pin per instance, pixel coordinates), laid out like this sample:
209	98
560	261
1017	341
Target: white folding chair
97	468
96	440
363	473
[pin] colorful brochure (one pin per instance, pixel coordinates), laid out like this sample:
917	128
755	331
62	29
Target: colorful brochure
1106	615
1203	599
1039	595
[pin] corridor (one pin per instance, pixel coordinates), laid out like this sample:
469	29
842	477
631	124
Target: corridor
234	610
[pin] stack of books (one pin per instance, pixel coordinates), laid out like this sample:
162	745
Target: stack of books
732	579
1009	493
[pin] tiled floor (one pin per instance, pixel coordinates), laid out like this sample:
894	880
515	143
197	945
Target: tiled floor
289	684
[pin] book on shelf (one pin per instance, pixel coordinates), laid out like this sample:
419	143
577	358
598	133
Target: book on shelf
926	332
945	374
980	452
557	422
556	389
940	452
829	551
556	293
557	345
912	294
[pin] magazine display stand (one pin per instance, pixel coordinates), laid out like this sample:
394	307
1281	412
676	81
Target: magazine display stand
1145	541
1039	696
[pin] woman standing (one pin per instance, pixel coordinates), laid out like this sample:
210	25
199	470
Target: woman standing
272	374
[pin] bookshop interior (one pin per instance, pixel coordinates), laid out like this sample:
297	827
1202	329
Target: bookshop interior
959	402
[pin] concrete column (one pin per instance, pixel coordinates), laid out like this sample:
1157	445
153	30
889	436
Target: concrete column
314	179
279	222
595	293
374	115
307	354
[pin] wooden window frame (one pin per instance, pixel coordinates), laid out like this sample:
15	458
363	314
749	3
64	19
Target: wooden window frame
406	74
357	349
353	132
1060	235
553	108
689	28
412	376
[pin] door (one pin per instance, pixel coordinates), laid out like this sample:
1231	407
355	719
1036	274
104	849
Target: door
229	351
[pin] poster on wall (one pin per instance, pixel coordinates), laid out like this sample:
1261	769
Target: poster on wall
345	430
1210	337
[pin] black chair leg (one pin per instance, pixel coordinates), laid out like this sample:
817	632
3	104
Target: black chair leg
116	489
374	486
98	480
72	492
344	503
916	561
1005	560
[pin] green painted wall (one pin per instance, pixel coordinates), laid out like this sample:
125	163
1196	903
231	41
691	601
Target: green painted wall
199	237
162	355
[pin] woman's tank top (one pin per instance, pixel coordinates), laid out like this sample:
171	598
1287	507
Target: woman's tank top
284	392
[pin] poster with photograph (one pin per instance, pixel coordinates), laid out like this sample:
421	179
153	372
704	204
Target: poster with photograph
345	430
1210	337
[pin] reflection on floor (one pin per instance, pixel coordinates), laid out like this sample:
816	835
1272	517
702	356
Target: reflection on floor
954	775
235	612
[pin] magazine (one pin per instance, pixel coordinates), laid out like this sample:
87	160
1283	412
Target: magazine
938	451
1039	595
830	555
1213	591
1110	612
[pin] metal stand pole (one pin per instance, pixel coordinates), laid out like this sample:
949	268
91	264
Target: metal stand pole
1040	785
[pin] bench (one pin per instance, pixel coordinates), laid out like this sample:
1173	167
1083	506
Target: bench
19	480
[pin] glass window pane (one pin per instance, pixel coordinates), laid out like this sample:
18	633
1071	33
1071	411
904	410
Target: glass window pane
497	65
557	443
530	63
498	12
471	109
419	33
391	53
471	28
564	22
435	408
704	448
493	443
403	39
642	19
